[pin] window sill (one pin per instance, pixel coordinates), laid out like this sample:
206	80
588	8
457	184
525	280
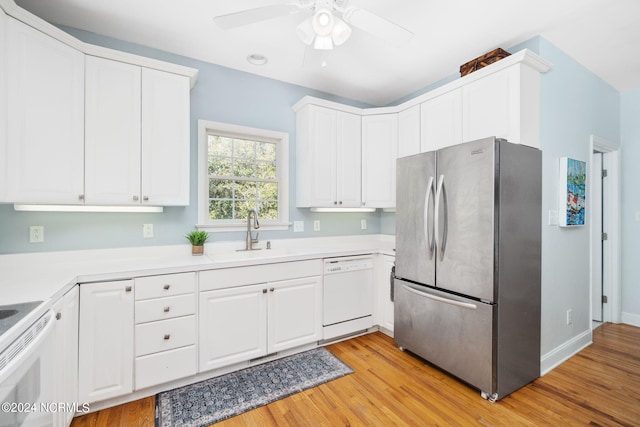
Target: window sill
242	226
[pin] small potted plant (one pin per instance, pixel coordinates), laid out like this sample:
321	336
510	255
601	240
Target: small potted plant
197	239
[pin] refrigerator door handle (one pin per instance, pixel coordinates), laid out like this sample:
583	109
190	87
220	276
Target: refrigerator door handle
422	293
441	194
427	232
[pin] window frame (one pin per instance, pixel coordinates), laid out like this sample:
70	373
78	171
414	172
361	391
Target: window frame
281	139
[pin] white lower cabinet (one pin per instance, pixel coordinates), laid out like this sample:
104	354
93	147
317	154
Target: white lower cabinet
385	289
106	340
66	354
248	321
165	331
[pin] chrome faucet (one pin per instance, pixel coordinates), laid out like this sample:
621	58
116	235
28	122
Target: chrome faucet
250	240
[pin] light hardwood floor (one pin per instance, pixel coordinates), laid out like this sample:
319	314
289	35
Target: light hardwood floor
600	386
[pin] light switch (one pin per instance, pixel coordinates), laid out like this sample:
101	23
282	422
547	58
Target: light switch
637	216
298	226
553	217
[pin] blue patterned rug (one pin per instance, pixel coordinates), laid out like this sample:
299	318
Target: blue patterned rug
223	397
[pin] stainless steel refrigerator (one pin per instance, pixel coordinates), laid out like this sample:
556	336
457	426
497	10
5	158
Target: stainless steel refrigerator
467	275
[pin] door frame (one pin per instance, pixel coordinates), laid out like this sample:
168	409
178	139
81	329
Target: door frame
611	259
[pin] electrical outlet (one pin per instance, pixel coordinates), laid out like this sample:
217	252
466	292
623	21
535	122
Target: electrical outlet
569	317
298	226
316	225
147	231
36	234
363	224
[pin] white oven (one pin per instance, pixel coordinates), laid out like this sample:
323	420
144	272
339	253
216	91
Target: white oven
26	377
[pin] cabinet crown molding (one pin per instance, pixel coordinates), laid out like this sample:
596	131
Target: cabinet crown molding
24	16
524	57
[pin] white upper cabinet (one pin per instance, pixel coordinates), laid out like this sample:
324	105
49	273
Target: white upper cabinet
379	153
112	132
125	141
137	135
505	104
328	157
165	138
409	131
45	111
441	121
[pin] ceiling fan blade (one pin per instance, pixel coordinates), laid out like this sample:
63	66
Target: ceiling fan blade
378	26
251	16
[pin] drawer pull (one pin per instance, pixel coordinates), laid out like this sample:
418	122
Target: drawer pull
264	291
166	309
167	336
271	289
127	289
166	287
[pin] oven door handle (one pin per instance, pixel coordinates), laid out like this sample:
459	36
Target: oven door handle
30	348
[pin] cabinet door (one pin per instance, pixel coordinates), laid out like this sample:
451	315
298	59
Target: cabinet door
491	107
66	354
45	128
112	132
321	155
232	326
165	138
441	121
348	148
106	340
409	131
379	153
294	313
385	304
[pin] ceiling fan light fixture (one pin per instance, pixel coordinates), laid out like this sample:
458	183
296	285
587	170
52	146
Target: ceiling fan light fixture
323	22
323	43
305	31
341	32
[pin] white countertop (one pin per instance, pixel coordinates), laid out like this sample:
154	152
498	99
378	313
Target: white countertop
48	276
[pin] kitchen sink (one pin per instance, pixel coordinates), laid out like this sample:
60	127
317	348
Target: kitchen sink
231	255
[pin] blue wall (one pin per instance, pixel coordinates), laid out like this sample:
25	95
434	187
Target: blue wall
220	94
630	134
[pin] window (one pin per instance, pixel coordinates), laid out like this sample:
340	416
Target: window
242	169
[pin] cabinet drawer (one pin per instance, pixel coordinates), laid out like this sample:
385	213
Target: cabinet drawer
165	308
166	366
165	285
165	335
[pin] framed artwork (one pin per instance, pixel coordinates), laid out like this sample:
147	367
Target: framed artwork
573	189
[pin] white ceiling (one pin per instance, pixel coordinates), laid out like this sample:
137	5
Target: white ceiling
603	35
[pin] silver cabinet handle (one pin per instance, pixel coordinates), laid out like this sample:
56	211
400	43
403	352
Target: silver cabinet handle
135	198
166	287
425	215
439	299
167	336
127	289
167	309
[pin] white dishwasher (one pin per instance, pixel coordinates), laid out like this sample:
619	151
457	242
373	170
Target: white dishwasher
347	295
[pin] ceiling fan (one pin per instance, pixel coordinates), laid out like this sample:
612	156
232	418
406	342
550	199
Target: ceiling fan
329	24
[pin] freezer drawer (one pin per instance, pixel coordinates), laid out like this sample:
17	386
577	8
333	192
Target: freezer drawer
452	332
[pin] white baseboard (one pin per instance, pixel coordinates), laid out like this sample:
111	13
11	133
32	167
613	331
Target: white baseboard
631	319
563	352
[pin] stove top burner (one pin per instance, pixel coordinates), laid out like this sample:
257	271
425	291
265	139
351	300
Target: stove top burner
13	313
